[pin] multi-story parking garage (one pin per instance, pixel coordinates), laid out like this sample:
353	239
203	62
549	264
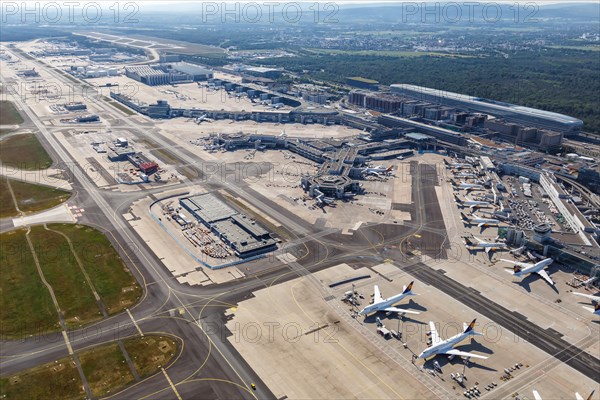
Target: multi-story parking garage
510	112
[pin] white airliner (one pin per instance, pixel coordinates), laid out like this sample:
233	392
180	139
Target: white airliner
483	245
480	222
520	268
596	309
537	396
439	346
589	296
467	186
471	203
457	165
465	175
387	305
378	170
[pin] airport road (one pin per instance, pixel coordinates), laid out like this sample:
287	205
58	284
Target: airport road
183	311
222	354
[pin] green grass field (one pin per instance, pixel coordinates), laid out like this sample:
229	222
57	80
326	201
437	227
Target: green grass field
150	352
112	280
9	115
25	303
7	206
104	367
62	272
30	198
24	152
121	107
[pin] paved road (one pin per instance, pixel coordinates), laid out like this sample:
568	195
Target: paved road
209	364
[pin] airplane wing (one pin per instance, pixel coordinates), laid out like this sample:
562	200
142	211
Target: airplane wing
481	224
488	249
537	396
520	264
589	296
545	275
377	296
400	310
478	240
454	352
435	338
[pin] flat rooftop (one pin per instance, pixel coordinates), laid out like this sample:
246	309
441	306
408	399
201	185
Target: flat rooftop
476	102
209	207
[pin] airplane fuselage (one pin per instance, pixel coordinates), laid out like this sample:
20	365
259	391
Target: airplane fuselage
445	345
534	268
384	304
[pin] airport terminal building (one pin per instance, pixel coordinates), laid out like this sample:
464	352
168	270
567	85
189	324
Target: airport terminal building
509	112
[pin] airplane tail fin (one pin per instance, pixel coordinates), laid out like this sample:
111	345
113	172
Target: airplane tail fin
446	162
453	182
464	217
409	287
459	201
596	307
469	242
516	269
471	326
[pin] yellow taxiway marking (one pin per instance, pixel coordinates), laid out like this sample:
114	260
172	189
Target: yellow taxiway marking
68	343
135	323
171	383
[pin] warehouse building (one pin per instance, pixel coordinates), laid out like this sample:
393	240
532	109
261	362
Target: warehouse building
246	237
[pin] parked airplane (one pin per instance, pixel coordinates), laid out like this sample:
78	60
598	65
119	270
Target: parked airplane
595	299
387	305
580	397
596	309
521	268
480	222
465	175
456	165
439	346
471	203
537	396
469	187
378	170
483	245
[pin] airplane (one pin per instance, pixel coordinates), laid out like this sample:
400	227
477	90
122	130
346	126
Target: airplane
521	268
580	397
467	186
481	222
387	305
595	299
596	309
537	396
465	175
439	346
483	245
378	170
457	165
471	203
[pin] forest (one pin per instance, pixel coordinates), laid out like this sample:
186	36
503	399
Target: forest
560	80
